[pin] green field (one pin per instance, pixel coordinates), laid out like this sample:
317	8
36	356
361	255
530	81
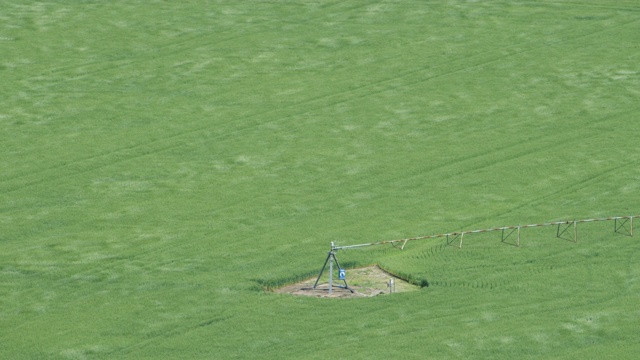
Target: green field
162	163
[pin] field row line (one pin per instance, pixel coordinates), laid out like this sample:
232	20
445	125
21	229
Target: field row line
422	75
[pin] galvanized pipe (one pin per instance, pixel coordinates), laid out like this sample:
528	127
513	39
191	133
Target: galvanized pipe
461	233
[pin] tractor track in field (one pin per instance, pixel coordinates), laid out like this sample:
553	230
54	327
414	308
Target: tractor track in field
340	97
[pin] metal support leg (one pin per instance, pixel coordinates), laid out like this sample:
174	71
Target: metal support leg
322	270
346	286
330	273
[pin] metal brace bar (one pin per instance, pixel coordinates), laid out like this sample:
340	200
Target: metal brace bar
509	234
564	230
617	227
504	238
455	237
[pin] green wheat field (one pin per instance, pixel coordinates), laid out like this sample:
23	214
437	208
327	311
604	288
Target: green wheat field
165	163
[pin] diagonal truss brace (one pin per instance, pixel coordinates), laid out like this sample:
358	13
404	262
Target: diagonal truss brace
453	237
564	227
509	233
623	225
620	226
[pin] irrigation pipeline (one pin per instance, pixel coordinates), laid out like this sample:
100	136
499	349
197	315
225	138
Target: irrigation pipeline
460	234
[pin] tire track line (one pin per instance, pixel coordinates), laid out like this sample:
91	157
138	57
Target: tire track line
368	92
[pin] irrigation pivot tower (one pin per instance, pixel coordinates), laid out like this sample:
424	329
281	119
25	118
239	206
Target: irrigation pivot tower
330	259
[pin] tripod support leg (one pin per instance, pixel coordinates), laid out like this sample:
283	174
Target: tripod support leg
345	281
322	270
331	257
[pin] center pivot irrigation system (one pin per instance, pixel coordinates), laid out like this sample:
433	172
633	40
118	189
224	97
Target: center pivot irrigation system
622	225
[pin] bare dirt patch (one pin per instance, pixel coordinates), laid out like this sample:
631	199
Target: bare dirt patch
364	282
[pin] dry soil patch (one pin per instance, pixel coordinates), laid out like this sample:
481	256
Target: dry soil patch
364	282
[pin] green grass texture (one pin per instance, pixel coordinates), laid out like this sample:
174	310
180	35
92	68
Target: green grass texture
162	163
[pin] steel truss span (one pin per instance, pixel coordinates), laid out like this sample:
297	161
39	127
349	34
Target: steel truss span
567	229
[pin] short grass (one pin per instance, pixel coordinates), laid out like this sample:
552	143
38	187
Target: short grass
162	161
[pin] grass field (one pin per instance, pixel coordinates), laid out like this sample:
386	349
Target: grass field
163	161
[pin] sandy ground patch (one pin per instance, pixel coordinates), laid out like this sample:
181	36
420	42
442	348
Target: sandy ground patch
363	282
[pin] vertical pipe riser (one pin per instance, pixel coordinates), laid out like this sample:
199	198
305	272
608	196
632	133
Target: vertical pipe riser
331	274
